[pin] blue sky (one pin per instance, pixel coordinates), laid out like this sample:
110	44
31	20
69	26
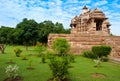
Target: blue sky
13	11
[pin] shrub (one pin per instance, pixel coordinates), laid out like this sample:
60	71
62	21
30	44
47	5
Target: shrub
71	58
40	49
61	46
59	67
101	50
89	54
49	54
24	57
43	59
30	65
17	52
12	71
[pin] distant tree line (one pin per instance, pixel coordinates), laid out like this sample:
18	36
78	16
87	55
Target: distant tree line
28	32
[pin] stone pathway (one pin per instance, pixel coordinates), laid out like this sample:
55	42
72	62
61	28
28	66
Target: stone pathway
116	60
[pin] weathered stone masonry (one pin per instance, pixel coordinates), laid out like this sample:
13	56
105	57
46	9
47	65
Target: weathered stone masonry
89	29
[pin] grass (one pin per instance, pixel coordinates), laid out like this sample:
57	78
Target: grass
81	71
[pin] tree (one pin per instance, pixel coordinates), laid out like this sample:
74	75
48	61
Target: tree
45	28
61	46
58	28
28	31
4	32
67	31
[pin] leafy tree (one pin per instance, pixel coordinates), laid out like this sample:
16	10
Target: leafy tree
67	31
45	28
28	31
10	38
4	32
59	28
61	46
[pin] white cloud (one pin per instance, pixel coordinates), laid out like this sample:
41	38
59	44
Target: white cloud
84	2
13	11
100	3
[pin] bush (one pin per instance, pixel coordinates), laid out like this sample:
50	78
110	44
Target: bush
17	52
59	67
40	49
100	51
12	71
61	46
43	59
71	58
49	54
89	54
24	57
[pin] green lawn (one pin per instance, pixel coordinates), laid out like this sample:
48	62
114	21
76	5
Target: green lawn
81	70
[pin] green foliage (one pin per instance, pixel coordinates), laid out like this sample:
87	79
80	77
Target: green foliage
59	67
61	46
40	49
17	51
81	71
28	32
89	54
101	50
12	71
59	28
71	58
49	54
24	57
4	33
43	59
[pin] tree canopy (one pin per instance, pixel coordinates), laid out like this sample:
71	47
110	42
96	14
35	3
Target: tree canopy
28	32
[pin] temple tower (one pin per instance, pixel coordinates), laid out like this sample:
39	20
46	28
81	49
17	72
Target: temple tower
93	22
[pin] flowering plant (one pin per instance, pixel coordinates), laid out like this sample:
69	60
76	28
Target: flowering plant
12	71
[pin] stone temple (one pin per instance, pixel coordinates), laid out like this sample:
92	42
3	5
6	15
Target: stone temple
88	29
93	22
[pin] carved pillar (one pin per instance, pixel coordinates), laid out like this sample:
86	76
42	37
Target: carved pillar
93	25
104	27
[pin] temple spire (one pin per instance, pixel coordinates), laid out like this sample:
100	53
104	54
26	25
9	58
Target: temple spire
85	7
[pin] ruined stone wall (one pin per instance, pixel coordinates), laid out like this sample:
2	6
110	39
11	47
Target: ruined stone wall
83	41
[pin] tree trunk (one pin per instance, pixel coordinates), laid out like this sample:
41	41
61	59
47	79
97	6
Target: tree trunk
26	48
2	48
